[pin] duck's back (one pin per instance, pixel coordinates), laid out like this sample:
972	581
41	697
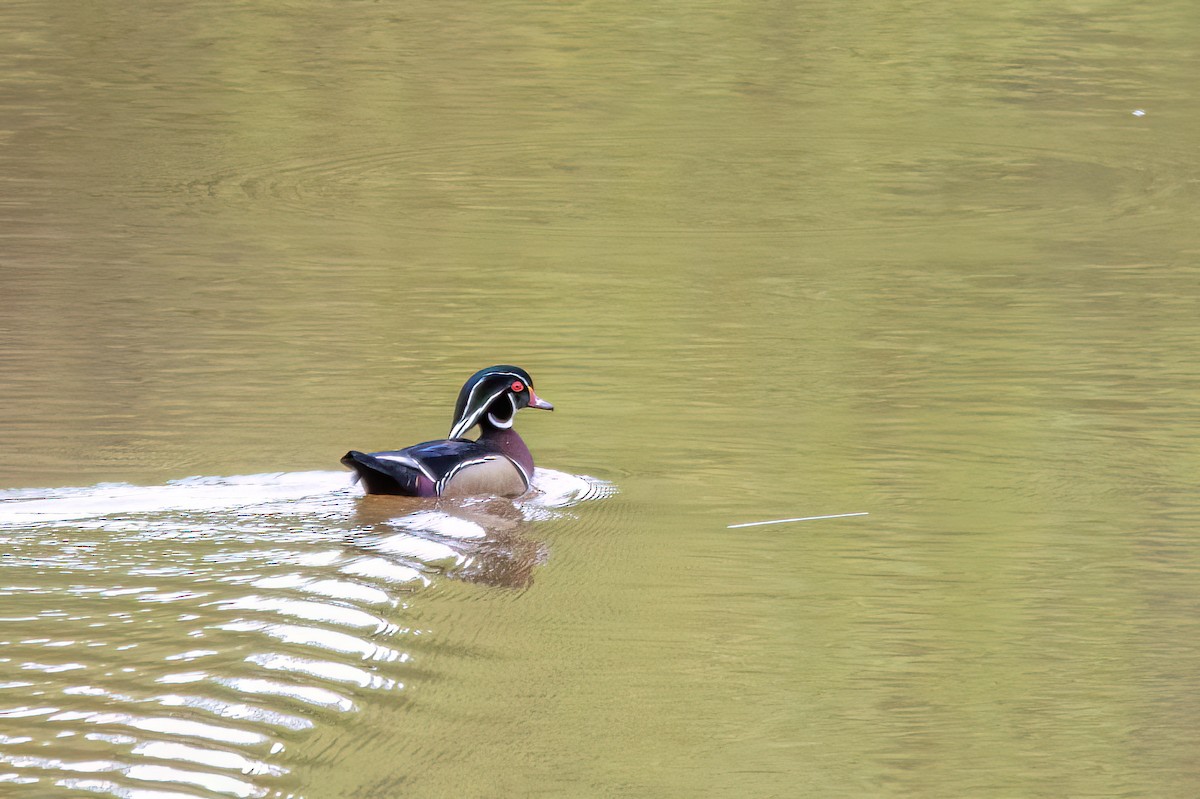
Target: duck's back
449	467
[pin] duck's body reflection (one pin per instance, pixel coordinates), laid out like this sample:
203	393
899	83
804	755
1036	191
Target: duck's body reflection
482	540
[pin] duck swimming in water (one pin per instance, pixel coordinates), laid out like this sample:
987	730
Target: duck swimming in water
498	462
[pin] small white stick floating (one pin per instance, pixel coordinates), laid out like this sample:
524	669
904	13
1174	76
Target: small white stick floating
800	519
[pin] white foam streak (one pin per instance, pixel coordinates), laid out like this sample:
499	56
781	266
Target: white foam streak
217	783
182	727
421	549
120	791
323	669
433	521
236	711
315	637
321	697
190	494
385	570
307	610
562	490
334	589
170	750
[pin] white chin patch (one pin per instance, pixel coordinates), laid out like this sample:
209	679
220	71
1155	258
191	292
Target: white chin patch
503	424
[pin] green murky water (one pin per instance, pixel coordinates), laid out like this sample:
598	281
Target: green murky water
767	260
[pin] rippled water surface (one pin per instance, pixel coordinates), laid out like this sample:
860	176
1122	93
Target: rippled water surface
934	263
196	633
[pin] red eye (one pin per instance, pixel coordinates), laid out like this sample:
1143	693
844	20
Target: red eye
518	386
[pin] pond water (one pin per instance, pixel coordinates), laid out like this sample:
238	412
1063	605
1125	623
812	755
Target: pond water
931	263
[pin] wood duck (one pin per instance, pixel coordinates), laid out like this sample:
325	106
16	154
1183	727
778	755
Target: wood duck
497	463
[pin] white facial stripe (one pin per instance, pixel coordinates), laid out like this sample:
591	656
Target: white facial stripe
467	422
475	387
506	423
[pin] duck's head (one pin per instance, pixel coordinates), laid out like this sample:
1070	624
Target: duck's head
493	396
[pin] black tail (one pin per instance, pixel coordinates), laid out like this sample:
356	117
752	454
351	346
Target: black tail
383	476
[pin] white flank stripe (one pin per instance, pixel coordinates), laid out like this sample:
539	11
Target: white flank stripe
445	481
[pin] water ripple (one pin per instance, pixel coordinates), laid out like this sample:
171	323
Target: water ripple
202	627
567	187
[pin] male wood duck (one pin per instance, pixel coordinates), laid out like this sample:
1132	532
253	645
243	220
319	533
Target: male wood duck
497	463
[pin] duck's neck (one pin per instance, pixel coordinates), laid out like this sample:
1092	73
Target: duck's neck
509	443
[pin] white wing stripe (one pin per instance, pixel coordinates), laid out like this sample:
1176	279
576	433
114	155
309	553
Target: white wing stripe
407	461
